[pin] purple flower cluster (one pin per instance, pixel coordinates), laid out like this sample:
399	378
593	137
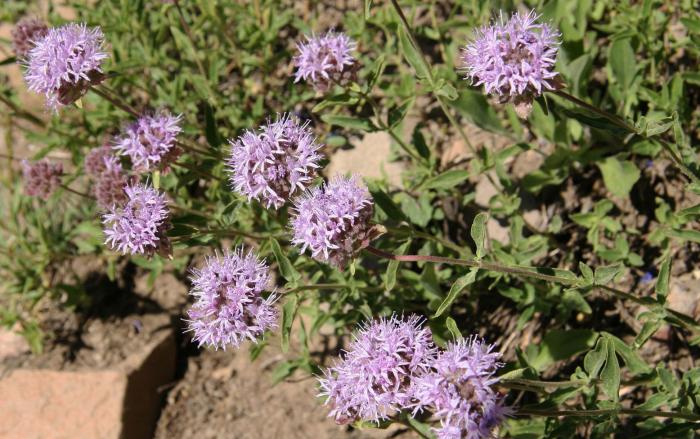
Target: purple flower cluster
65	63
139	226
41	178
108	175
150	141
457	390
323	60
375	378
333	221
513	58
273	163
26	33
229	307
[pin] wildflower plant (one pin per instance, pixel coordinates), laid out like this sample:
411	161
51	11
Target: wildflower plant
542	193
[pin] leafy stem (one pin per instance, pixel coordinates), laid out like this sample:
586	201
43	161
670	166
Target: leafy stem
604	412
536	273
621	123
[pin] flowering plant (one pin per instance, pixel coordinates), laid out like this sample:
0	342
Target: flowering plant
545	198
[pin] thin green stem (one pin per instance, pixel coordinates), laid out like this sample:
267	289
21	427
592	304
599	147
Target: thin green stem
22	113
82	194
328	287
417	233
198	171
103	93
668	149
191	148
604	412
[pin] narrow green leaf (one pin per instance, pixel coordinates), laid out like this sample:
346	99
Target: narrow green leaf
452	327
611	373
446	180
289	311
586	272
478	234
457	287
594	360
286	268
412	55
622	62
664	278
349	122
393	267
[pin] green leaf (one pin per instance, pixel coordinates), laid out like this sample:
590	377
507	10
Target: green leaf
446	180
607	273
478	233
412	55
474	106
664	278
397	114
422	428
332	101
452	327
457	287
594	359
561	344
687	235
286	268
349	122
447	90
622	62
393	267
387	205
586	272
611	373
289	311
632	359
368	6
619	175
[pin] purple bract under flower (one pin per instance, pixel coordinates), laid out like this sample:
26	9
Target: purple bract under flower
229	307
26	33
41	178
323	60
270	165
65	63
138	227
150	141
333	221
374	380
458	390
513	58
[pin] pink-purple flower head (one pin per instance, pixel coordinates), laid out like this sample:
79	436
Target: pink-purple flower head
26	33
65	63
151	141
41	178
374	379
333	221
458	390
323	60
139	226
229	306
514	58
274	162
